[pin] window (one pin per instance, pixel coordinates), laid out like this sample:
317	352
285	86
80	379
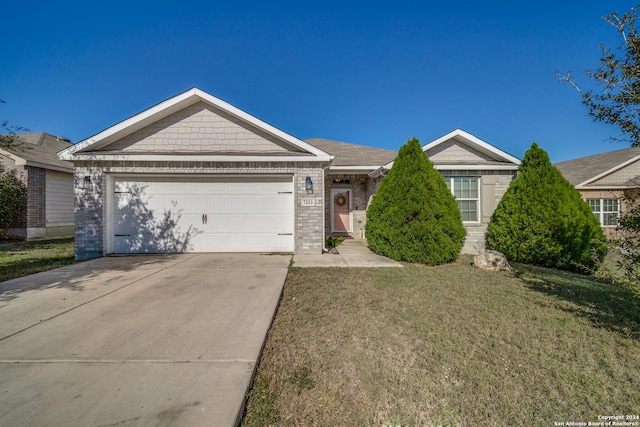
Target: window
606	210
466	192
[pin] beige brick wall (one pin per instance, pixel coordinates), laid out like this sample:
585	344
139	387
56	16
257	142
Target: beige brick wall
499	182
36	197
609	231
363	188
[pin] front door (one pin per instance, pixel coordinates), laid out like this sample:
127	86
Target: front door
341	206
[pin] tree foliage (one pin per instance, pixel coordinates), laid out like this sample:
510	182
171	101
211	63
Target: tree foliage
8	138
629	243
414	217
617	100
618	103
543	220
13	200
625	247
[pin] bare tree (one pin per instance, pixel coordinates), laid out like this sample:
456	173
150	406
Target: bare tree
8	138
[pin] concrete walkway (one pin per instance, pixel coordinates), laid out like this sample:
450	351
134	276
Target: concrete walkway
353	252
136	341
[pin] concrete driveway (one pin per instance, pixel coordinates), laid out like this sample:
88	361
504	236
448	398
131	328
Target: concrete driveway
136	341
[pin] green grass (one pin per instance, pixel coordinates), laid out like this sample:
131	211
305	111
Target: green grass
447	345
18	259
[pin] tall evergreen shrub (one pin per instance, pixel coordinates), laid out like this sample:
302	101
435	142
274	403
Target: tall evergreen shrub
13	200
413	216
543	220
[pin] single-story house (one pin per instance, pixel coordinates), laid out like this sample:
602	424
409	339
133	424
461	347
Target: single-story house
603	180
49	211
194	173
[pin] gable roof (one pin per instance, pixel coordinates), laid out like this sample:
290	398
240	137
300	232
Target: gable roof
90	147
353	156
499	159
40	149
585	170
493	157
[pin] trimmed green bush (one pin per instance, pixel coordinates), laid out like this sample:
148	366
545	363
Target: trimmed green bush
542	219
13	199
414	217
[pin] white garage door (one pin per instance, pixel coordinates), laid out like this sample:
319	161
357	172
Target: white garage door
226	214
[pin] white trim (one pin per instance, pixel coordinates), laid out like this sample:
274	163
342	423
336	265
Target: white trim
18	160
376	173
478	167
609	171
324	212
21	161
467	138
196	158
600	212
209	177
177	103
108	202
49	167
465	167
477	199
341	190
479	144
355	170
606	187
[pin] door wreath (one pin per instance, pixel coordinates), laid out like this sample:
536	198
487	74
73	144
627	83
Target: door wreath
341	200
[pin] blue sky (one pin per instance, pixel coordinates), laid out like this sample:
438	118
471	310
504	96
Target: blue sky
368	72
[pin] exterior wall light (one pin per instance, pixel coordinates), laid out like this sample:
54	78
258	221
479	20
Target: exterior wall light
308	185
86	183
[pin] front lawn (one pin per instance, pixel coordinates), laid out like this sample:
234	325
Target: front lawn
447	345
19	259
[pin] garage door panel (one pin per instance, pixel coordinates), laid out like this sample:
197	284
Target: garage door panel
156	215
269	224
229	242
236	203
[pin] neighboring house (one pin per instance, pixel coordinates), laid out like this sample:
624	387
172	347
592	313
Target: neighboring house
194	173
603	179
49	211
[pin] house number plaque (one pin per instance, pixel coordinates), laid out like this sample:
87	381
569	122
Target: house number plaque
308	201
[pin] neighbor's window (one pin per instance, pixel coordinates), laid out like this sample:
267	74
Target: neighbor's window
606	210
466	192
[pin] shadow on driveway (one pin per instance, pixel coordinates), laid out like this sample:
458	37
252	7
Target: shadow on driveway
75	277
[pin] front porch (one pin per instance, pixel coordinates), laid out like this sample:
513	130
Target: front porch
352	252
347	197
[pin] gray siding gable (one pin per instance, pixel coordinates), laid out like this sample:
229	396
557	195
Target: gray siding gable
201	128
454	151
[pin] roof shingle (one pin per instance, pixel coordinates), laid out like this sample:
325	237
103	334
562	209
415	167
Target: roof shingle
579	170
346	154
41	148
